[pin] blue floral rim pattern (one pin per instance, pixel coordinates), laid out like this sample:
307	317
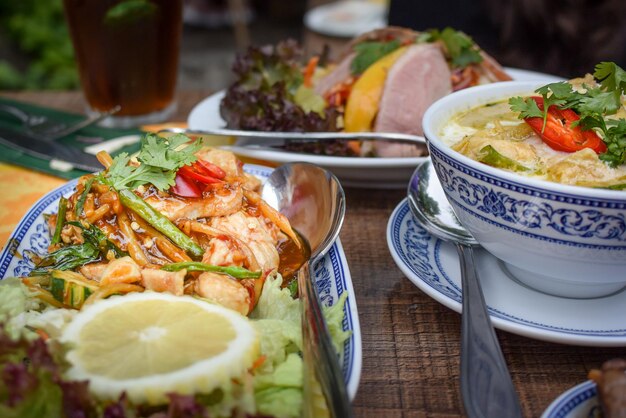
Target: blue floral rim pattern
585	225
420	254
572	400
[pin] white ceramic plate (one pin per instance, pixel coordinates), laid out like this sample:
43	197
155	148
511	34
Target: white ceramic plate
374	173
433	266
578	402
331	273
346	19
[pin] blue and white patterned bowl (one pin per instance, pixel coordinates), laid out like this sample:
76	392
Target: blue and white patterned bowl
581	401
563	240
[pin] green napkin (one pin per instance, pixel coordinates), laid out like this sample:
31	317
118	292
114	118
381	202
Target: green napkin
85	137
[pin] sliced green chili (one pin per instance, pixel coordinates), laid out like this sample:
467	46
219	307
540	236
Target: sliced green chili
60	221
80	203
159	222
490	156
234	271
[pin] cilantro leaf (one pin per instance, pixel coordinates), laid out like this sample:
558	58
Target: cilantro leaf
615	139
119	171
596	101
160	159
611	77
160	152
592	104
560	90
526	107
367	53
462	50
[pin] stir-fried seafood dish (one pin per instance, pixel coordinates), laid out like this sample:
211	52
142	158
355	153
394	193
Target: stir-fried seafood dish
167	291
209	235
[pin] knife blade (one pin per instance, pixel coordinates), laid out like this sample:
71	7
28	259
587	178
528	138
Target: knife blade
49	150
264	139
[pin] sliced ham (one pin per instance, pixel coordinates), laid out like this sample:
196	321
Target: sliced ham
337	75
419	77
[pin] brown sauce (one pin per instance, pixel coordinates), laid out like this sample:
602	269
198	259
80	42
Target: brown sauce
292	257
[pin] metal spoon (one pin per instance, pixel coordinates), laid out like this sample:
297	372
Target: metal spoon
314	202
486	385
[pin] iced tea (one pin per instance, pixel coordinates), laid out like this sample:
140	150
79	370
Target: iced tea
127	52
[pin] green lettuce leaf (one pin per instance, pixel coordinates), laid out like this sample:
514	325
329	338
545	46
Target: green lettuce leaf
279	394
334	320
276	302
17	306
277	320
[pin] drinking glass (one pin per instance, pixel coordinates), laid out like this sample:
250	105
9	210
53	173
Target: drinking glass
127	54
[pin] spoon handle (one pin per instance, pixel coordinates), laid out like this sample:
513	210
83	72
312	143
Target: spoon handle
319	354
486	385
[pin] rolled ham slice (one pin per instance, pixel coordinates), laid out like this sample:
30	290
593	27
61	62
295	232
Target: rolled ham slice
419	77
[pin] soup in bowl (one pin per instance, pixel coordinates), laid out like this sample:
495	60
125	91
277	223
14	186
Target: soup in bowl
553	217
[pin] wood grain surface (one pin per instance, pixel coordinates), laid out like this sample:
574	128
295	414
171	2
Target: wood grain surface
410	342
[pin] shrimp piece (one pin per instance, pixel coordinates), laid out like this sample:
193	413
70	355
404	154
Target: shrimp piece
273	215
225	202
93	271
219	238
228	162
223	252
164	281
121	270
225	291
253	232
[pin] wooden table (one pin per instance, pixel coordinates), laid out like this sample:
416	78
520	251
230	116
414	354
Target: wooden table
410	342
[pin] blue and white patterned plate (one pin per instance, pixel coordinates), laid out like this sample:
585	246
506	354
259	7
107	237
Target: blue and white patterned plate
578	402
433	266
331	273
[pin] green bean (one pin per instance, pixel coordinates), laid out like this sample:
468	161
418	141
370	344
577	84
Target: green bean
60	220
80	203
234	271
159	222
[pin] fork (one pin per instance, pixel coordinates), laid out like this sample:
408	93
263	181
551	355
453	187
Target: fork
44	128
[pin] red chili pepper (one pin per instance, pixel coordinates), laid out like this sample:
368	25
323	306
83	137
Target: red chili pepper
559	134
185	187
193	172
210	169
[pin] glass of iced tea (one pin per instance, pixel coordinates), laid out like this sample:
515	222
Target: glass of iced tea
127	53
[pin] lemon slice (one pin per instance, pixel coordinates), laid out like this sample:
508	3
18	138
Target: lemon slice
149	344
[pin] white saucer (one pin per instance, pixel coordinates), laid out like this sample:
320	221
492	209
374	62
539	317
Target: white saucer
346	18
433	266
581	401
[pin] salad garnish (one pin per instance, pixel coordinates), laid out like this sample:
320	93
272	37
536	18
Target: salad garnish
587	110
160	160
268	94
367	53
461	49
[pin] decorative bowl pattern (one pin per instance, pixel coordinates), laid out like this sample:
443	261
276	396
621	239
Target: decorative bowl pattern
563	240
581	401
